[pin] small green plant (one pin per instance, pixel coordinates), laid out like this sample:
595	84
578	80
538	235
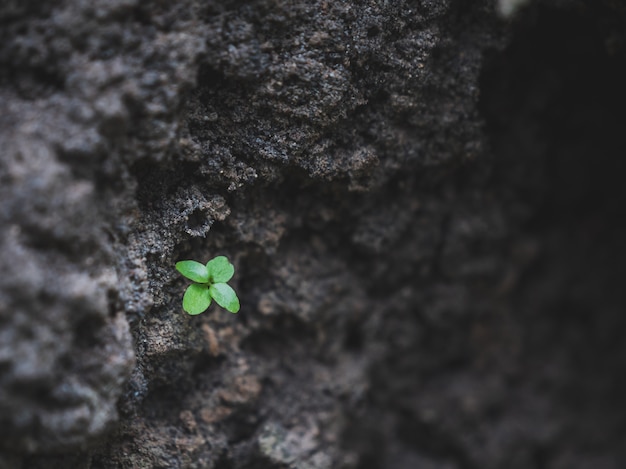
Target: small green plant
209	284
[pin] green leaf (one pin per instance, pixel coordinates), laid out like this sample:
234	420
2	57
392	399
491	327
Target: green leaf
193	271
197	299
225	296
220	269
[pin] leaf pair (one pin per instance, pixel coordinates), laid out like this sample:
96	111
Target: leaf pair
198	297
210	284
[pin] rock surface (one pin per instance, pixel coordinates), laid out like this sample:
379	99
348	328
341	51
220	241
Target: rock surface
423	201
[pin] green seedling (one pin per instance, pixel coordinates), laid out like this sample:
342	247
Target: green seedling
209	284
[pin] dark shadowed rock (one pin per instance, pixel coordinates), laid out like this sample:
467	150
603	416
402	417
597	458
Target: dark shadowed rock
422	200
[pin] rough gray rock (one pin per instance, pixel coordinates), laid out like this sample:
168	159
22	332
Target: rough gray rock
429	273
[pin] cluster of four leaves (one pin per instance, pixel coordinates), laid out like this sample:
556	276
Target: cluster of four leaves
209	284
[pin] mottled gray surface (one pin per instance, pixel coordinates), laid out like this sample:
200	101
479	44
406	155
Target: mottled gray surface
65	348
422	201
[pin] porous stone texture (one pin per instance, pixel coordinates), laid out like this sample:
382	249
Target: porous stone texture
422	200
